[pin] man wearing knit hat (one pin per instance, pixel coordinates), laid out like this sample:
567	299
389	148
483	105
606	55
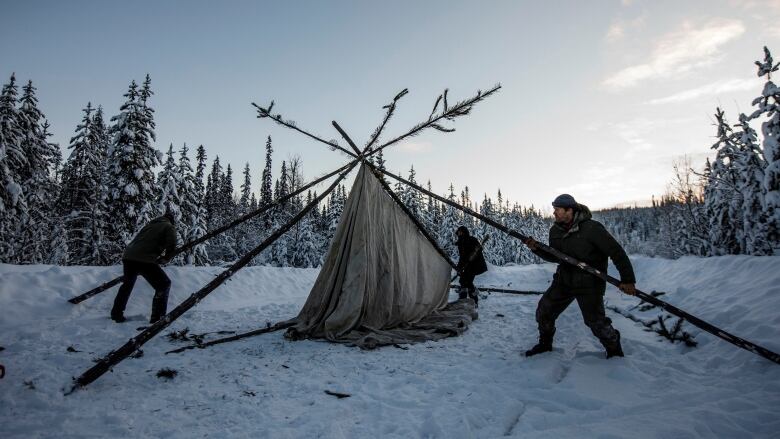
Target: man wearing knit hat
576	234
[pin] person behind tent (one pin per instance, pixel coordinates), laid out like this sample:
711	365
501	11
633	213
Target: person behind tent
576	234
141	256
471	262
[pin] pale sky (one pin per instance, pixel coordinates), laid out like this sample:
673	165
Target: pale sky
598	99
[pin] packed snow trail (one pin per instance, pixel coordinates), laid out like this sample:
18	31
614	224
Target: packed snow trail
477	385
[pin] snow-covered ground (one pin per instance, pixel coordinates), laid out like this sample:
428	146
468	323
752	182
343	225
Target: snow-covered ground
477	385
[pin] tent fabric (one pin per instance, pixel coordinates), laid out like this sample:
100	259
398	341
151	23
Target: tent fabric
381	282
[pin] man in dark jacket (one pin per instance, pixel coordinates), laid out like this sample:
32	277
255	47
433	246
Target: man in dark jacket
141	258
577	235
471	262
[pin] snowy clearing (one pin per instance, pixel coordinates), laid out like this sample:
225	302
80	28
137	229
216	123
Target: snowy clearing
477	385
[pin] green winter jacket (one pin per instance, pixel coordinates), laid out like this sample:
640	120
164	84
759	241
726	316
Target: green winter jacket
148	245
587	241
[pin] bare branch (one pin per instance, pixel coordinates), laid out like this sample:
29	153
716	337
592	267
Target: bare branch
390	110
459	109
266	112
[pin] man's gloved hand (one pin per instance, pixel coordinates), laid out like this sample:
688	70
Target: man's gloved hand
629	289
531	243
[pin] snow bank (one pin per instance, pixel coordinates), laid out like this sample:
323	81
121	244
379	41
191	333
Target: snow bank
477	385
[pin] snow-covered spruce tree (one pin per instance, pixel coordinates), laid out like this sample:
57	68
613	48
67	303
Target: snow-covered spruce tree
306	249
196	225
225	207
13	207
188	202
213	204
503	247
101	140
769	106
430	216
299	248
483	230
722	199
81	202
168	198
168	185
411	197
465	200
245	238
130	180
450	221
281	252
749	166
212	192
38	182
266	186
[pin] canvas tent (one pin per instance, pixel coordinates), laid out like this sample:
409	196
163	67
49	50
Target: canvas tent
381	282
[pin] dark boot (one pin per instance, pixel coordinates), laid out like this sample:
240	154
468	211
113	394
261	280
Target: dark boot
462	293
544	345
159	305
615	349
118	318
475	297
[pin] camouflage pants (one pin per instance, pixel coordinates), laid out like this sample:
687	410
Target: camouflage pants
555	300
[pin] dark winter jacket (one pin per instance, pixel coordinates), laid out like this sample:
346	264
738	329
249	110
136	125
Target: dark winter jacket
466	246
587	241
148	245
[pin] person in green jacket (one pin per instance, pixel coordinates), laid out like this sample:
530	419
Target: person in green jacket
141	257
576	234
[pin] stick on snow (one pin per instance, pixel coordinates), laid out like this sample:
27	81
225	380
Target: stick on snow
277	327
712	329
115	357
504	290
186	247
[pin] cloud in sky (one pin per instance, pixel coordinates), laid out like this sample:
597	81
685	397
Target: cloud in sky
679	52
723	86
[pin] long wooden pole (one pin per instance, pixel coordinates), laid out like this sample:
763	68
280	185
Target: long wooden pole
712	329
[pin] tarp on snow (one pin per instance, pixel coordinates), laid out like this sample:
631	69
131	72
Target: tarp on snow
382	282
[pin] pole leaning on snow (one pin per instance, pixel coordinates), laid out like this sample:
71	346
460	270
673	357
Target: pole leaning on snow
115	357
189	245
712	329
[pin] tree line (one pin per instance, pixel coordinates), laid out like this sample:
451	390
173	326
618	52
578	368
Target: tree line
84	209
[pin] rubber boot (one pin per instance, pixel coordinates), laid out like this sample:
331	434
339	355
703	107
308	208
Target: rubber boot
544	345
